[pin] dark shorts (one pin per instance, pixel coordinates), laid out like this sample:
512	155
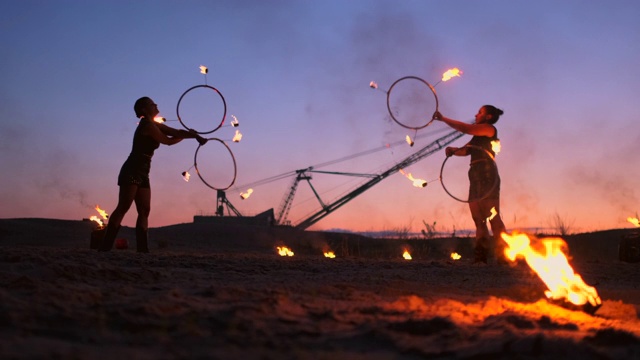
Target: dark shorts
484	181
135	171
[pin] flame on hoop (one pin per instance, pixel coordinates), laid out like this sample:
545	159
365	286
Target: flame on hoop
409	140
373	85
455	256
451	73
416	182
634	221
237	137
203	69
493	214
186	176
495	146
284	251
245	195
102	212
159	119
329	254
406	255
234	122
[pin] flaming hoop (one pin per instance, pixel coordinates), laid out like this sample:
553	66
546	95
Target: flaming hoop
488	192
224	108
201	172
413	102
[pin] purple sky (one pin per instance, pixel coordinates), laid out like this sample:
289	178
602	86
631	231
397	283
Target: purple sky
296	75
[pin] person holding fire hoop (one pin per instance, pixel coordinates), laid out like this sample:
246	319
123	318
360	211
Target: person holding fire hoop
484	187
133	178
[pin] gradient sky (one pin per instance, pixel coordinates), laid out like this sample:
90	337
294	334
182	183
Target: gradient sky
296	75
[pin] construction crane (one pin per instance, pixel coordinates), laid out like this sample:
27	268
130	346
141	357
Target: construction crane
326	209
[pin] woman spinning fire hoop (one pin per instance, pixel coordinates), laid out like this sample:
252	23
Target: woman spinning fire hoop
133	179
484	187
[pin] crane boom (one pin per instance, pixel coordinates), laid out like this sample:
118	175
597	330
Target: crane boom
436	145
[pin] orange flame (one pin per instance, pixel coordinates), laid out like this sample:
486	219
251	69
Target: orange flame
493	214
549	262
284	251
406	255
203	69
246	195
97	220
634	221
186	176
159	119
455	256
234	122
451	73
416	182
495	146
237	137
102	212
329	254
409	141
373	85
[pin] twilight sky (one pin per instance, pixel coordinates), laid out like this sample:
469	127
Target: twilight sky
296	75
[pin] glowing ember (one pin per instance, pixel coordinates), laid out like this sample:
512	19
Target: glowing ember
634	221
186	176
159	119
455	256
493	214
409	141
373	85
97	220
245	195
416	182
329	254
102	212
406	255
546	258
284	251
234	122
203	69
237	137
495	146
451	73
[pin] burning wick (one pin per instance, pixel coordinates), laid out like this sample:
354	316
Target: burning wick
451	73
548	260
455	256
237	137
373	85
186	176
416	182
97	220
203	69
234	122
246	195
495	146
159	119
634	221
102	212
409	141
329	254
284	251
406	255
493	214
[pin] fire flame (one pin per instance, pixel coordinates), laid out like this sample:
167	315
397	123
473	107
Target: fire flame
406	255
409	141
373	85
416	182
284	251
102	212
246	195
329	254
455	256
634	221
203	69
549	262
493	214
159	119
234	122
495	146
237	137
451	73
97	220
186	176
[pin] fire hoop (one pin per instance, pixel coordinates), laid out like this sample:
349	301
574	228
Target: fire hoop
223	105
495	178
412	105
214	168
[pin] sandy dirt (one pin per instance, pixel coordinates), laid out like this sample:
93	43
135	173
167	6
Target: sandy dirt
233	298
